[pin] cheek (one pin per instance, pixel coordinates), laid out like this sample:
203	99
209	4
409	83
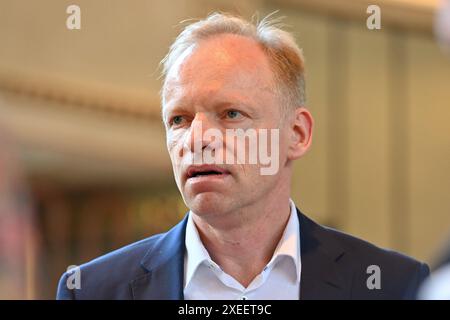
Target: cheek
284	142
174	143
171	147
174	154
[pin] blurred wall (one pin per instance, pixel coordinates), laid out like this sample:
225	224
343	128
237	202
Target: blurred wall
83	106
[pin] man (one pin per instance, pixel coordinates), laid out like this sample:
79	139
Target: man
243	237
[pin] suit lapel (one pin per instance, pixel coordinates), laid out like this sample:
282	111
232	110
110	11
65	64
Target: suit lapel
164	266
323	274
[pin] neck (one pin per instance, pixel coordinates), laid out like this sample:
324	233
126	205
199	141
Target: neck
243	242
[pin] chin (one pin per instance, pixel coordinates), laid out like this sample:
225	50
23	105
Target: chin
207	203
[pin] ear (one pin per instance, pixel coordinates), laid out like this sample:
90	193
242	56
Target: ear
301	129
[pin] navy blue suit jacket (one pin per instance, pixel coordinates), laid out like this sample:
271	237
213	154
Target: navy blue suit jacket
334	266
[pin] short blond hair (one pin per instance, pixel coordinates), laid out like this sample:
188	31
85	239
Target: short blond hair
285	57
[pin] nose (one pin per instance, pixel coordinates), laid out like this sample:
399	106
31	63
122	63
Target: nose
196	140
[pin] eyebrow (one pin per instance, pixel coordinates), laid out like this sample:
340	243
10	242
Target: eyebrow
167	110
217	101
229	104
222	101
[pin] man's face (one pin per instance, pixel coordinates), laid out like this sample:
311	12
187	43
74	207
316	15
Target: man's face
223	83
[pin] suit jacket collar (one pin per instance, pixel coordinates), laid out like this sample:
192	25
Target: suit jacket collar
164	266
323	275
324	271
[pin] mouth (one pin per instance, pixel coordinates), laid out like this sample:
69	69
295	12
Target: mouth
205	171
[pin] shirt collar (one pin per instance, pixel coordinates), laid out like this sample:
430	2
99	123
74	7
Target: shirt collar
196	252
289	246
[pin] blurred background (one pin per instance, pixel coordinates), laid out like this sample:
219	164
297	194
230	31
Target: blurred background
83	164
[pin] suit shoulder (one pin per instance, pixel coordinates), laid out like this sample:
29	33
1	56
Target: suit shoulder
131	252
400	274
113	271
366	250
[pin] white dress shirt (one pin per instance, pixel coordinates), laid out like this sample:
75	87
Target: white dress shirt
279	280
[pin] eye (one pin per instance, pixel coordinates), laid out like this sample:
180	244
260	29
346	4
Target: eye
233	114
176	120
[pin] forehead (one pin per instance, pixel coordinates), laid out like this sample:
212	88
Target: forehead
220	64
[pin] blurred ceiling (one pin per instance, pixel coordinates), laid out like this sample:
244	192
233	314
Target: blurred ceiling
414	15
83	104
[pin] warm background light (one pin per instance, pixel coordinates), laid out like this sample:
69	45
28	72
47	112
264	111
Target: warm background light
83	108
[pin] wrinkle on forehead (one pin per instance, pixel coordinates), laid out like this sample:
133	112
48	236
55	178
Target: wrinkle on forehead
226	53
225	60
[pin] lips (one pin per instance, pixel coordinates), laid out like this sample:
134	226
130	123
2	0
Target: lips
205	170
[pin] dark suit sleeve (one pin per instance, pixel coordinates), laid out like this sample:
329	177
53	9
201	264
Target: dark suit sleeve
421	274
64	293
